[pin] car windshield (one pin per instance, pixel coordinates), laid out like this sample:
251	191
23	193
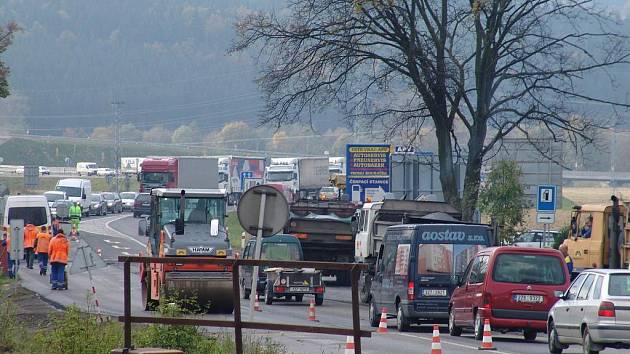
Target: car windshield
61	202
526	237
279	176
108	196
91	165
157	177
529	269
70	191
143	197
31	215
438	258
95	198
198	210
127	195
51	197
280	251
619	285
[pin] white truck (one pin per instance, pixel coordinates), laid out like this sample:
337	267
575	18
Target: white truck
337	165
130	165
298	178
237	174
372	220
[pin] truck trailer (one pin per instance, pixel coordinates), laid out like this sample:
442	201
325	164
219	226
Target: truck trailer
178	172
298	178
237	174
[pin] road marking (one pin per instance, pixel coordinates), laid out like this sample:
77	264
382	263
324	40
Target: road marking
125	253
111	229
110	241
449	343
120	247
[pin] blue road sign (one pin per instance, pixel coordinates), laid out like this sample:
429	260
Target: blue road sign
546	199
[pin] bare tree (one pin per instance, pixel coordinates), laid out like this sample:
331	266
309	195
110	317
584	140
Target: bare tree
496	66
6	37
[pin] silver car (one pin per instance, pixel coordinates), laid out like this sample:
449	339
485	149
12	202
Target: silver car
536	238
594	312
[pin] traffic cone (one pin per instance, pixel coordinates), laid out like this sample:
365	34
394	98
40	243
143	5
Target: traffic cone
349	345
436	346
486	344
257	307
311	311
382	326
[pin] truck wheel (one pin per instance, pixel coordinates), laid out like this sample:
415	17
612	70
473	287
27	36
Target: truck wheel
269	294
147	302
402	323
299	298
319	299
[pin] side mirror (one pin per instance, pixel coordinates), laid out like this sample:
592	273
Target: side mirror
142	227
355	225
457	279
83	196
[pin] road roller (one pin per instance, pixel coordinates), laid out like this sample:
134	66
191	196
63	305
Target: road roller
187	223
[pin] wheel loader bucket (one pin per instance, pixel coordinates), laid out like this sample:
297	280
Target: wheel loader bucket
212	291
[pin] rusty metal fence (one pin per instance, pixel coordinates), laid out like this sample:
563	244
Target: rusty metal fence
237	323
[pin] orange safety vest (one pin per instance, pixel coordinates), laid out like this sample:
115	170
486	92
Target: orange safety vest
59	249
30	232
43	241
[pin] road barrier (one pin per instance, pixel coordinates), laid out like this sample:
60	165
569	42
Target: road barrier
238	325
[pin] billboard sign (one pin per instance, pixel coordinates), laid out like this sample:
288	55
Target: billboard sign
367	171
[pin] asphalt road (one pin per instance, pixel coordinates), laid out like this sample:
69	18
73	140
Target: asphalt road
116	235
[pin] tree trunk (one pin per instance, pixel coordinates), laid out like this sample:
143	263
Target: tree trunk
447	172
473	171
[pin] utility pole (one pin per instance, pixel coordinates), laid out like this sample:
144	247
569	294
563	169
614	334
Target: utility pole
116	106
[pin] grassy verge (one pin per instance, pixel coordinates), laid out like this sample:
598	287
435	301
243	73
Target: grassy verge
234	229
73	331
16	184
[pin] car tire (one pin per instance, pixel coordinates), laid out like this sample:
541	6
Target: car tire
552	339
530	334
453	330
373	315
478	326
364	288
319	299
299	298
135	216
269	294
402	323
587	343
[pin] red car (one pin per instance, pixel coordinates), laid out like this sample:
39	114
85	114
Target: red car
513	287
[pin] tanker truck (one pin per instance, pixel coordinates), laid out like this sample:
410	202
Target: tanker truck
187	223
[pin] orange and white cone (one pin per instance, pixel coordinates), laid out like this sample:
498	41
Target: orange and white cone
436	346
382	326
257	307
349	345
486	343
311	311
73	233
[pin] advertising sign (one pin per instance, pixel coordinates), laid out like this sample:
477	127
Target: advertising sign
367	171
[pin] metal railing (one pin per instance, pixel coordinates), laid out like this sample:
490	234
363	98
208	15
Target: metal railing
237	323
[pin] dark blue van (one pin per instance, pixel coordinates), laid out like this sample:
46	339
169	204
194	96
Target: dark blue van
418	267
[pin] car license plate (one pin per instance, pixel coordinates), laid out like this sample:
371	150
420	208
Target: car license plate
433	292
145	204
533	299
299	289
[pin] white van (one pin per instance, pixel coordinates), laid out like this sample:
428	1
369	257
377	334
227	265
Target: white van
77	190
33	209
53	196
87	168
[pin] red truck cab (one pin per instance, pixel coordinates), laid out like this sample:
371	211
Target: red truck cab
157	173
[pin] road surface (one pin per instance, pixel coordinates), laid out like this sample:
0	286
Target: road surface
117	234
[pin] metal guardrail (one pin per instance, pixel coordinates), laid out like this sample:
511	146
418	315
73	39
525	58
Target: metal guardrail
237	323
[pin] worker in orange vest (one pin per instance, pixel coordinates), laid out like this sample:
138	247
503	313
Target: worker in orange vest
41	248
6	242
30	233
58	251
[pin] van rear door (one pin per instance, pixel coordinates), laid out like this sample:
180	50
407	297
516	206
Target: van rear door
525	284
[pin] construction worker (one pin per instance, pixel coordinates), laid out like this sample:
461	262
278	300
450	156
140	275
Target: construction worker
56	225
6	242
75	216
41	247
30	233
564	249
58	251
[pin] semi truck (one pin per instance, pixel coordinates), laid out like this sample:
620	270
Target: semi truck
178	172
298	178
372	220
237	174
325	231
